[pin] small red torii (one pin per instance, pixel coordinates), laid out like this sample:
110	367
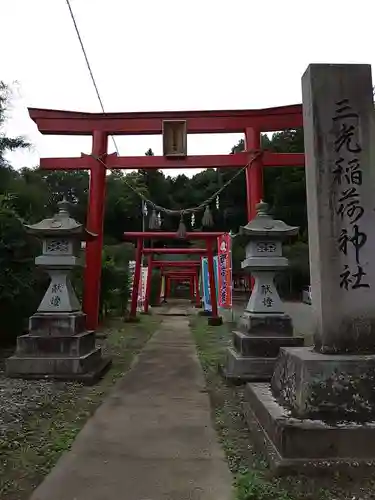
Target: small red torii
102	125
208	237
167	267
192	277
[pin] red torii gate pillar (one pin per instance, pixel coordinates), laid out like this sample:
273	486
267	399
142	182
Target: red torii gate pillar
95	218
254	173
254	179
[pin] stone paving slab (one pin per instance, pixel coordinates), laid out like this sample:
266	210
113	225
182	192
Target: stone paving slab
152	438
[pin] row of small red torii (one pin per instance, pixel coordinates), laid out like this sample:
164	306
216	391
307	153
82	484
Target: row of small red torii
185	270
208	237
102	125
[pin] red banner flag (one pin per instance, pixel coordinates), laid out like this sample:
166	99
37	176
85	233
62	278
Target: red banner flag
224	270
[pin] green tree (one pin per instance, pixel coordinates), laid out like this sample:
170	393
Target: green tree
7	144
18	278
20	283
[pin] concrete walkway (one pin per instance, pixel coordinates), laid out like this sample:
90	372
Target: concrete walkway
152	438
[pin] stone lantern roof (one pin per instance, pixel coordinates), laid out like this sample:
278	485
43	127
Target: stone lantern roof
61	224
264	225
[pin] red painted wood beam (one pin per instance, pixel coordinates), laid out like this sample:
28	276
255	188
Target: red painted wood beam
269	159
114	162
170	251
199	235
180	277
179	263
174	277
56	122
185	272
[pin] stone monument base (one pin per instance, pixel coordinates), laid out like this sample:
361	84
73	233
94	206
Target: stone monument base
258	323
239	369
50	323
73	357
317	414
253	357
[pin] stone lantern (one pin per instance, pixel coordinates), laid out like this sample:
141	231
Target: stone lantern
264	326
58	345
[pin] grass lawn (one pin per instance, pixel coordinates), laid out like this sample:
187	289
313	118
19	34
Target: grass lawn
253	480
34	439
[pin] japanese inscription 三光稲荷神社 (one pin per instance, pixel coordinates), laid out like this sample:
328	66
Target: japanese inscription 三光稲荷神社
347	179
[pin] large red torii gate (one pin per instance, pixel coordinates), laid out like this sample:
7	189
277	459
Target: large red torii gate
101	125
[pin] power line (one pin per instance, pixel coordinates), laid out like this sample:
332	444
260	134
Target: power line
88	65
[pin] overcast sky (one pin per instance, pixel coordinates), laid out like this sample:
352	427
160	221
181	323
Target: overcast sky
152	55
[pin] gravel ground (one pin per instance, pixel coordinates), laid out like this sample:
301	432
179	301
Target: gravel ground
39	419
21	398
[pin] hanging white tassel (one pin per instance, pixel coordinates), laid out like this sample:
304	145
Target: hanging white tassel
153	222
181	232
207	220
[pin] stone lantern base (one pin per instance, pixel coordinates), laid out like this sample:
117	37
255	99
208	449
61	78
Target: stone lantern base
318	411
57	347
256	345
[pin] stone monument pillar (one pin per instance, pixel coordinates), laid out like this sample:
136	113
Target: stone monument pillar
57	345
264	326
325	395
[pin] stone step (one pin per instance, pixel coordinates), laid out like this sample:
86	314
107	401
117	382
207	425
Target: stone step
72	345
238	368
57	324
263	345
51	365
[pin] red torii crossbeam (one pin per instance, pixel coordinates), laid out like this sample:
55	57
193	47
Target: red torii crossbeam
101	125
177	263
